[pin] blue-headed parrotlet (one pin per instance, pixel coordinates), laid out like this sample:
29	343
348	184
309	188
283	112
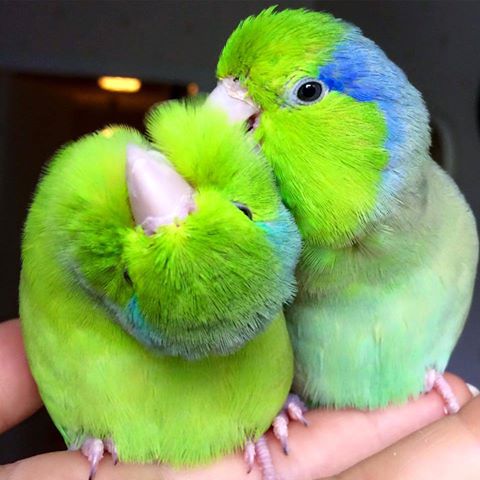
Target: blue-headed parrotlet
390	245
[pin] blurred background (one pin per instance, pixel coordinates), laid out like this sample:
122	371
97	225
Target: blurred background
52	54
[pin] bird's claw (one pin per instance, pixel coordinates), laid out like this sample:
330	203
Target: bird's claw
94	449
259	451
293	409
435	380
296	411
280	429
249	455
111	449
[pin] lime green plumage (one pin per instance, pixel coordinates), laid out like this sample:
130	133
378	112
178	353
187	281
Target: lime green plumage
98	381
390	245
102	303
274	49
343	155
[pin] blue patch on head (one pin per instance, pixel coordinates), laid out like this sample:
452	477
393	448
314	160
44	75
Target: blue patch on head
361	70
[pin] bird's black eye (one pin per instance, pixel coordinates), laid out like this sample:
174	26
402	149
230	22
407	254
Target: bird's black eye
244	209
308	90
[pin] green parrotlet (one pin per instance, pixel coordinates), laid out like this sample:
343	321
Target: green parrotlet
154	274
390	245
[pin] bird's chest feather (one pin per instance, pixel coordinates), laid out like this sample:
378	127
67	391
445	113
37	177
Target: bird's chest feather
370	343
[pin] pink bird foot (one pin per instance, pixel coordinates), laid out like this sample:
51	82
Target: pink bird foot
111	449
435	380
259	451
293	409
249	455
94	449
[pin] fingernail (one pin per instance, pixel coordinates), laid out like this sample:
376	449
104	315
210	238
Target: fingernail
473	390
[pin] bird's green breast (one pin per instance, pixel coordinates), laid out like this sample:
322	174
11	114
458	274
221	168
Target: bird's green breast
98	381
371	345
370	320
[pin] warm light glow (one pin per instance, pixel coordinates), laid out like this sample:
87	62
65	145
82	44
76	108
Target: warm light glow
192	89
120	84
107	132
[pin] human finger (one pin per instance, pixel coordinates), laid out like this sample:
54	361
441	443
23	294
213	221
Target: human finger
337	439
446	449
19	397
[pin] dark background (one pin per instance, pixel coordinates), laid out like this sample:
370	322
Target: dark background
51	53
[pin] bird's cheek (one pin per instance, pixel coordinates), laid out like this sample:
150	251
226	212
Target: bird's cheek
267	130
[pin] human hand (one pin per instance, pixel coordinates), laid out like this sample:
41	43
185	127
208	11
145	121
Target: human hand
334	441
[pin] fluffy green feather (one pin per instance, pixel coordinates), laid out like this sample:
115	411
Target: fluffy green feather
102	303
330	184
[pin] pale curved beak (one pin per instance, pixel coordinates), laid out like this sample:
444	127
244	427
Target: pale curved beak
234	100
158	195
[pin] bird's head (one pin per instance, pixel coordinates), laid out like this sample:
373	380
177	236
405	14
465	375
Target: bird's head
340	123
184	239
